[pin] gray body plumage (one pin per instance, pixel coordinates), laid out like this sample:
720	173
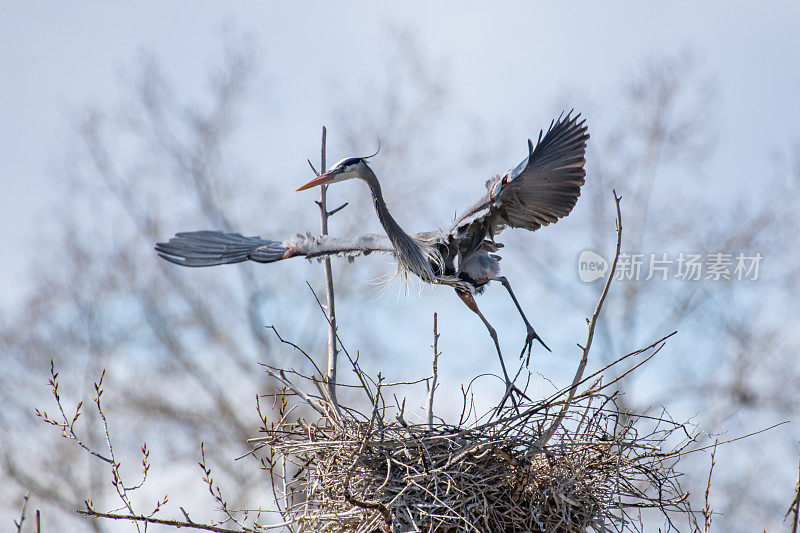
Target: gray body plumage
542	188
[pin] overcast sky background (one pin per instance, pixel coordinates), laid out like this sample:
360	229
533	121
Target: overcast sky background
515	60
503	62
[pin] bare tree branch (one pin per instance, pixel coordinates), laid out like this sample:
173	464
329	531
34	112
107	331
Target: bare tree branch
18	524
431	386
794	508
576	380
330	309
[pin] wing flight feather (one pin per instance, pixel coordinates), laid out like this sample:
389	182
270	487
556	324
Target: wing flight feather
542	188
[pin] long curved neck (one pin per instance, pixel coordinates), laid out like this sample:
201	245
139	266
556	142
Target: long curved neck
386	219
408	251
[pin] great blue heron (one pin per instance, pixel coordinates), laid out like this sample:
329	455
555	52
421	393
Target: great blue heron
543	188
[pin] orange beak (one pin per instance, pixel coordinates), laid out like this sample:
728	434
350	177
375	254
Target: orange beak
322	179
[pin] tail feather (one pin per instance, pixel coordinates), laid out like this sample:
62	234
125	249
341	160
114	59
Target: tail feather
210	248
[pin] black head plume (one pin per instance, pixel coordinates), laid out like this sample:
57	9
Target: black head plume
376	152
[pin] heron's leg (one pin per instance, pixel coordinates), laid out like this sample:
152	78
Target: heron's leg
469	300
532	335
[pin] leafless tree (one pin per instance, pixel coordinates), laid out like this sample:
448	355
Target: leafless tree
731	365
185	347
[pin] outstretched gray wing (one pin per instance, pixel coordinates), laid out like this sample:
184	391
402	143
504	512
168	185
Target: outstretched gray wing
210	248
543	188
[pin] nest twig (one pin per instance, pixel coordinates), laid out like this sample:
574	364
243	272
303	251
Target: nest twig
595	473
569	463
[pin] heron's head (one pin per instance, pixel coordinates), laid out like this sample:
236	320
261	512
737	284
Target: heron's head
352	167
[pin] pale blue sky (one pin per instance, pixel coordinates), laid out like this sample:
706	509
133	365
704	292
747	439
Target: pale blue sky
508	64
503	61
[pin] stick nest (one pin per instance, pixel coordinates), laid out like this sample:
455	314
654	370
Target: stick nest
596	472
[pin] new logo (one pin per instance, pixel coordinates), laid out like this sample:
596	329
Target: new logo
591	266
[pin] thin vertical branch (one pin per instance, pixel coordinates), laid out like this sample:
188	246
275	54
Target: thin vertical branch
22	513
794	509
576	381
434	377
707	511
333	350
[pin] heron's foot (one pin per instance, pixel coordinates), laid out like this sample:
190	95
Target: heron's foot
526	348
511	391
